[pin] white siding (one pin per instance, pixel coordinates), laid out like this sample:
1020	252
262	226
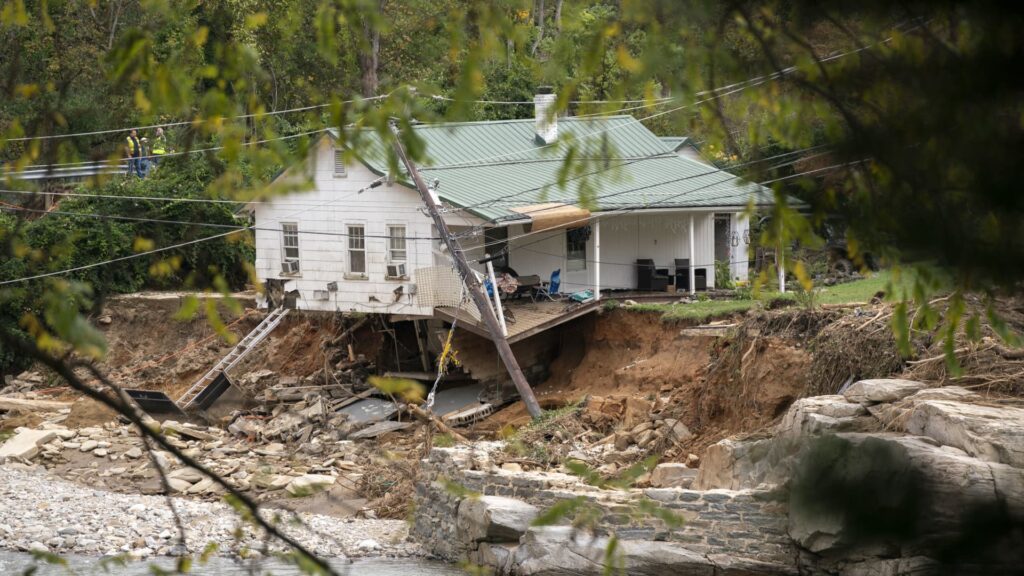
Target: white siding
322	215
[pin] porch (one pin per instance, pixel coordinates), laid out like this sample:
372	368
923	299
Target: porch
523	318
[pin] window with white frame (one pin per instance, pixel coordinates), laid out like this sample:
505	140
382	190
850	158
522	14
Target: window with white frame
576	248
290	247
339	163
396	243
357	249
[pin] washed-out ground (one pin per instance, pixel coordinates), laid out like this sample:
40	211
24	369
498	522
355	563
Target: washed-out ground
626	384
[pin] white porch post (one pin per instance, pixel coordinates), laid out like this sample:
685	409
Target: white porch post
597	259
693	260
497	298
780	261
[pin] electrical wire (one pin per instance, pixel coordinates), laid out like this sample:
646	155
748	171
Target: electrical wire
122	163
202	224
188	122
648	205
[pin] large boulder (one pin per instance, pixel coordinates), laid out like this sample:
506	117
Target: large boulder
994	434
25	444
308	484
562	550
736	464
883	493
672	475
494	519
824	415
882	390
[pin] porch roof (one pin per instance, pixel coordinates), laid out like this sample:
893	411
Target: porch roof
488	168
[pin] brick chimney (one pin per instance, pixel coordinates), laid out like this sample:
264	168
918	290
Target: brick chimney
546	121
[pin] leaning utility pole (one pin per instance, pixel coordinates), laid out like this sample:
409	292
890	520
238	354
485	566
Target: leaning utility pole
472	284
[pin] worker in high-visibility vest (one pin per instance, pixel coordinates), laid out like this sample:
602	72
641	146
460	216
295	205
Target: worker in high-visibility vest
134	154
159	145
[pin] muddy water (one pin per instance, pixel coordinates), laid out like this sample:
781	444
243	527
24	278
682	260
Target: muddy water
16	563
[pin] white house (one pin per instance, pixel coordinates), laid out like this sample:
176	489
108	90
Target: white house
625	196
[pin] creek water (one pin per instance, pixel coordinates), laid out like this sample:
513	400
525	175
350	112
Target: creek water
17	563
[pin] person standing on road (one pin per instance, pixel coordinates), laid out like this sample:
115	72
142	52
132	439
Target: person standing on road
159	148
134	154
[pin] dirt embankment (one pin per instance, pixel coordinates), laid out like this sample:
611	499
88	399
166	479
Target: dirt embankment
719	383
150	349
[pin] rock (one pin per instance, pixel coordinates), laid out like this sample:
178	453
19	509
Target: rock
646	437
881	390
672	475
204	486
134	453
309	484
985	432
368	545
679	432
494	519
936	492
642	427
511	467
622	441
272	449
244	427
106	320
190	475
174	428
89	446
824	414
562	550
39	548
26	444
178	485
734	464
100	452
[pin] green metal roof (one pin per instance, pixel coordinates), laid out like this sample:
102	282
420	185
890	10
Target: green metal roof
617	163
675	142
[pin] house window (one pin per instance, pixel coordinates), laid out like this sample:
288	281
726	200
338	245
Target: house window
396	243
290	246
357	250
576	248
339	163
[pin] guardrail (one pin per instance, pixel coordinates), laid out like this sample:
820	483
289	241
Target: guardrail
78	171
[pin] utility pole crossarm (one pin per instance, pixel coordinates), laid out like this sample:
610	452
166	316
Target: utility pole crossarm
472	284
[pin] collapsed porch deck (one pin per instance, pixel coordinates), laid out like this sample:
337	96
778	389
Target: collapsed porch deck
530	317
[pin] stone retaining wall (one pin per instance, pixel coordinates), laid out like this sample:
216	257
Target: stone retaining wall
748	524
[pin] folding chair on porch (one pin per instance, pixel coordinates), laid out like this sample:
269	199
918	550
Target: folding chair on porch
549	289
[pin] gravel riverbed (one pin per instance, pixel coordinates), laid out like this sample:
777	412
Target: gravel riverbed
43	513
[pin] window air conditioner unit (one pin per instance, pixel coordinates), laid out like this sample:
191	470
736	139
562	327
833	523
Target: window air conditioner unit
289	267
396	270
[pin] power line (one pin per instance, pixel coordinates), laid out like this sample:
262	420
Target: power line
626	210
187	122
121	259
203	224
119	163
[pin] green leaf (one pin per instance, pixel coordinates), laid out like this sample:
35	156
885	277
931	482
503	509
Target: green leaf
560	510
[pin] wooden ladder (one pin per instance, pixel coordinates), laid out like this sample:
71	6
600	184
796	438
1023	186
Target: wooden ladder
244	346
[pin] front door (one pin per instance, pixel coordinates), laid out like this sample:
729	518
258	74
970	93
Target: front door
723	237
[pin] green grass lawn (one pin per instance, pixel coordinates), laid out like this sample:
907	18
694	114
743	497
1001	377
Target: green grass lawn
856	292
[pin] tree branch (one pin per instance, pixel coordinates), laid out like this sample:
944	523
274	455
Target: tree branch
128	411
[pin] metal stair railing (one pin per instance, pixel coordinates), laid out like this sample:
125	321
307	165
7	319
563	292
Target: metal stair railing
244	346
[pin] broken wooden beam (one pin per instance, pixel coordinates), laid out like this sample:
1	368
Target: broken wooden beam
7	403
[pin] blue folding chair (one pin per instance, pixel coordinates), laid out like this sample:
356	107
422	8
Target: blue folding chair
549	289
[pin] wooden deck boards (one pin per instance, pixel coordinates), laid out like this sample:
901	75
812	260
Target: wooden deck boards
530	317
